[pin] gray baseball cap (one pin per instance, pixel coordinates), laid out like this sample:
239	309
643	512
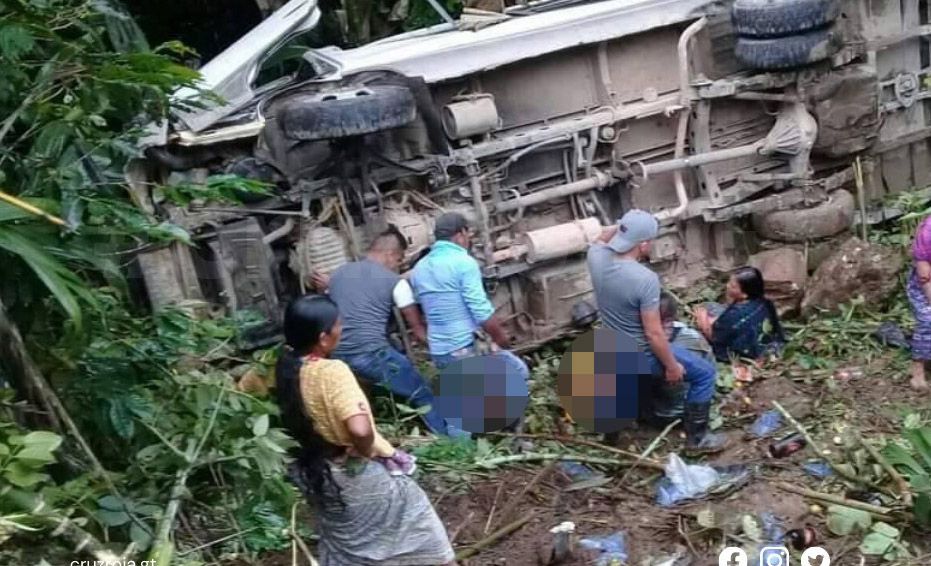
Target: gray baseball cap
635	227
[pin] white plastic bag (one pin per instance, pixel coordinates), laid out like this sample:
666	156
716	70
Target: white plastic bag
684	481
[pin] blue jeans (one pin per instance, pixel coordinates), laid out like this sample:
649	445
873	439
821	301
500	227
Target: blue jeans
700	374
443	360
514	363
390	369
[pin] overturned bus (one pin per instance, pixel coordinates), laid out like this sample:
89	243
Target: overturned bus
737	123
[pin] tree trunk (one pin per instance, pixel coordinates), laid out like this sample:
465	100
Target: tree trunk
27	380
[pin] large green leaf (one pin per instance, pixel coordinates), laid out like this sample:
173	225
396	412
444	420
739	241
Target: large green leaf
844	520
21	475
898	456
63	283
923	510
920	440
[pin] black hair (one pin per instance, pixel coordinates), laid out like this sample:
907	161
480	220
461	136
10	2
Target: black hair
668	307
390	239
751	283
304	320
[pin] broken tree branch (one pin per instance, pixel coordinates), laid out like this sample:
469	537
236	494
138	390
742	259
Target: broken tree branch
649	449
163	548
62	527
817	447
494	506
31	383
27	379
532	457
581	442
456	532
880	512
494	537
515	501
900	482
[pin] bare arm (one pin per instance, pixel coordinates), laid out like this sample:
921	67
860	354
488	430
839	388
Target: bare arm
704	322
362	435
923	270
320	282
607	234
494	327
659	344
414	321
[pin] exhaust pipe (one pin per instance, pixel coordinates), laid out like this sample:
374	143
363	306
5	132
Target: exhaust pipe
792	136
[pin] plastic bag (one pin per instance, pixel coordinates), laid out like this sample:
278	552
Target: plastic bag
613	548
818	468
890	334
576	471
773	534
766	424
684	481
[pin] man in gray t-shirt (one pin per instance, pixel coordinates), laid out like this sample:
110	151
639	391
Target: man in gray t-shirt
628	296
366	292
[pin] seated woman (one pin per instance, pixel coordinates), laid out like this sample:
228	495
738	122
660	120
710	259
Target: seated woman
365	515
748	326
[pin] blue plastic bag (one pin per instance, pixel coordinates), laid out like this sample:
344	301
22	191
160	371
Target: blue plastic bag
613	548
773	536
576	471
766	424
818	468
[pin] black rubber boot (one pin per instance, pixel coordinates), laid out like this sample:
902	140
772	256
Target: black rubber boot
699	440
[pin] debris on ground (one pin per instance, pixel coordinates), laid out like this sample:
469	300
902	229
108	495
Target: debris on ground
577	472
802	538
818	469
684	481
562	542
611	549
856	269
891	334
787	446
688	482
766	424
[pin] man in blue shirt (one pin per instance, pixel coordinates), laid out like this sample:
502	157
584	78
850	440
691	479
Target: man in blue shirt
448	285
366	292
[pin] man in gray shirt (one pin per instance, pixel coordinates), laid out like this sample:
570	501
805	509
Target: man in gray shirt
628	296
366	293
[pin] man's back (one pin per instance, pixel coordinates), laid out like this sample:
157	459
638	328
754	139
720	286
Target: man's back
448	285
623	288
363	292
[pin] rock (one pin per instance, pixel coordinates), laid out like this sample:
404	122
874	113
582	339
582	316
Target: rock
785	272
818	252
826	219
857	268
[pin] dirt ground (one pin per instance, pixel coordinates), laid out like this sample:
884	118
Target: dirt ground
874	402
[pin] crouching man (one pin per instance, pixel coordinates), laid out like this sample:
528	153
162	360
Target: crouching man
448	285
366	292
628	296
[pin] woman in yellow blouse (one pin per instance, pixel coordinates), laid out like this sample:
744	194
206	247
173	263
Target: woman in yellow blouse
365	515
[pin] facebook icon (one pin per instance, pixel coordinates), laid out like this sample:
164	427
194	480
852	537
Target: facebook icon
732	556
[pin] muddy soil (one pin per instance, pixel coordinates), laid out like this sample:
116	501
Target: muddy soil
874	402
